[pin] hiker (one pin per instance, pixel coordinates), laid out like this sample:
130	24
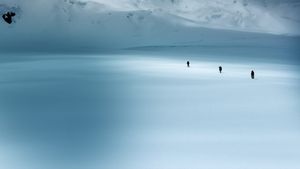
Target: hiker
252	74
188	63
220	69
8	17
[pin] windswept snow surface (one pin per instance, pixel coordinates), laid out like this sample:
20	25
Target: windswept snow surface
140	110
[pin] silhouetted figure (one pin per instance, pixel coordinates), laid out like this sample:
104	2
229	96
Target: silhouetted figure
8	17
252	74
220	69
188	63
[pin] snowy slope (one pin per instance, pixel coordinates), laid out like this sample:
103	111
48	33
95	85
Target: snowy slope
259	16
89	25
278	17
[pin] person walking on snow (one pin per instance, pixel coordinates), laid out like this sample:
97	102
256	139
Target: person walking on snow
252	74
